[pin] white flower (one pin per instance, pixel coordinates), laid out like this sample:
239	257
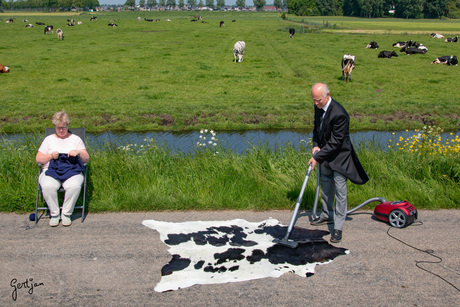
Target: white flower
201	131
215	144
205	130
210	142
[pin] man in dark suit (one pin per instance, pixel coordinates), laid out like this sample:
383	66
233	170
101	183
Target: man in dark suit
333	150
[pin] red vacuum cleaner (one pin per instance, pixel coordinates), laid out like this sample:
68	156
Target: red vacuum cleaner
398	213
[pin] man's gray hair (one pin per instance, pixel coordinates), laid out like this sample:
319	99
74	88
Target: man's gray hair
325	88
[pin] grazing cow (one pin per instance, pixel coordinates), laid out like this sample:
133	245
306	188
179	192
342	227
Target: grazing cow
452	40
373	45
4	69
348	63
238	51
436	35
221	24
387	54
9	20
291	32
70	24
233	20
448	60
93	18
40	23
193	20
29	25
48	29
409	50
60	34
112	24
25	20
149	20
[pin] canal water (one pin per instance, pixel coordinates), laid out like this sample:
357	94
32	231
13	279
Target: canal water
240	141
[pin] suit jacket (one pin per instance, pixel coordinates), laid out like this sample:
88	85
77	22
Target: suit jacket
334	141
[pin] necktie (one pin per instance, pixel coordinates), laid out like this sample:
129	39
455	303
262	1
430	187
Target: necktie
321	115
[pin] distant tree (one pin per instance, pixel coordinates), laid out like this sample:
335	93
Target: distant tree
302	7
220	3
453	8
191	3
152	3
162	3
240	3
171	4
210	3
278	4
181	4
130	3
259	4
200	4
142	3
330	7
435	8
409	8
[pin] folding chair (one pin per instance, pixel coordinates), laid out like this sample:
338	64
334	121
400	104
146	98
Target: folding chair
39	200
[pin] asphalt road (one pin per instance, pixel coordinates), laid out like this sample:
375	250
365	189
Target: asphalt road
113	260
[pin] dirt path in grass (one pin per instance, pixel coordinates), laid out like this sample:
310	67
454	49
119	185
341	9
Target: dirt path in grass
113	260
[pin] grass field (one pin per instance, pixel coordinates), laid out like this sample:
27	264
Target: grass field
180	75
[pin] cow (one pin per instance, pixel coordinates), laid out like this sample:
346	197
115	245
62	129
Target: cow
387	54
4	69
60	34
448	60
149	20
452	40
348	63
221	24
93	18
139	18
238	51
420	46
48	29
402	44
40	23
373	45
29	25
9	20
291	32
112	24
79	23
409	50
70	24
436	35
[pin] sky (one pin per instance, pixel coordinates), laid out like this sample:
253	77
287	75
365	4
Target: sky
227	2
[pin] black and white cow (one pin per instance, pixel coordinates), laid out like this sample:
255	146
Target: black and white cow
387	54
29	25
221	24
403	44
60	34
4	69
436	35
93	18
409	50
238	51
372	45
40	23
420	46
148	19
291	32
448	60
48	29
452	40
348	63
112	24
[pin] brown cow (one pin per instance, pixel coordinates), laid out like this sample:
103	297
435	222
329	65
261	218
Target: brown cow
4	69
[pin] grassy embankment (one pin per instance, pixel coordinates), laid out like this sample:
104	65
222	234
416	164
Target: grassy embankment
179	75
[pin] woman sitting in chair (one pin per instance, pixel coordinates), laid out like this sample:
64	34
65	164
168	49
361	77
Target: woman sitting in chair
62	155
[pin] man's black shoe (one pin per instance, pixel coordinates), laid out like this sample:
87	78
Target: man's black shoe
336	236
319	221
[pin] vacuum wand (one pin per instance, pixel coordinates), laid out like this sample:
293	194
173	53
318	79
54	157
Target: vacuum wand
285	241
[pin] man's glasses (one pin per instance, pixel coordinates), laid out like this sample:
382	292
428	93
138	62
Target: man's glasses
61	128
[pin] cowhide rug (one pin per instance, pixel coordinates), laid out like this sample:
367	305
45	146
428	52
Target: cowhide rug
213	252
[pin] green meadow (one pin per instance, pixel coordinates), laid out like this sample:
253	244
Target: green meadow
180	75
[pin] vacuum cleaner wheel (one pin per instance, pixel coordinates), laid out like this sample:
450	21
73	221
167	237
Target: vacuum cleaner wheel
397	218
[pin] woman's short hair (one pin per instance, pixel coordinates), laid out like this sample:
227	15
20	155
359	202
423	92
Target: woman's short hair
60	119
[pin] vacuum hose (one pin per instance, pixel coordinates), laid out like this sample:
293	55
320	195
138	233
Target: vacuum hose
318	185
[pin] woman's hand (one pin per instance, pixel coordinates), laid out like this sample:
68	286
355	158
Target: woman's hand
74	153
54	155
